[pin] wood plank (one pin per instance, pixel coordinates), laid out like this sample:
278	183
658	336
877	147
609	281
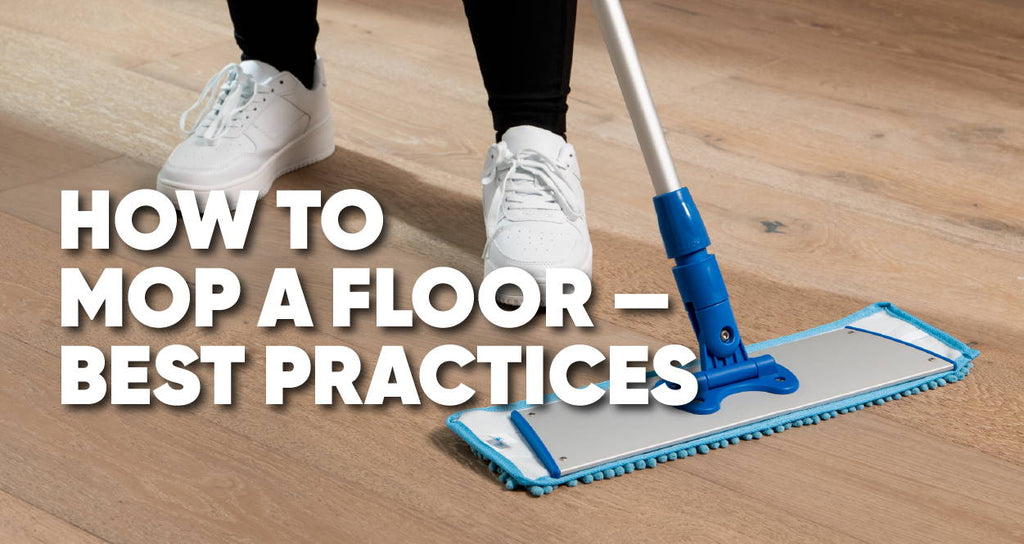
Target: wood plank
21	522
29	156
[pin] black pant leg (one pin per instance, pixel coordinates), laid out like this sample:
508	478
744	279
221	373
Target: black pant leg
281	33
524	48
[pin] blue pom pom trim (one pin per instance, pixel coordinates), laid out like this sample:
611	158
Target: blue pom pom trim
512	478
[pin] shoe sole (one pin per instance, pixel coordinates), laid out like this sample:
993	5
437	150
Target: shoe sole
312	147
509	299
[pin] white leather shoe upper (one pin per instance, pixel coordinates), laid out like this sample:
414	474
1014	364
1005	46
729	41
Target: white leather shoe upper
534	209
249	112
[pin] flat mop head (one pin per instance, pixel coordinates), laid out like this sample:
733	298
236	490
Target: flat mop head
877	355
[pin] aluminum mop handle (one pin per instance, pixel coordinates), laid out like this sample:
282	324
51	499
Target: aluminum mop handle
725	366
638	99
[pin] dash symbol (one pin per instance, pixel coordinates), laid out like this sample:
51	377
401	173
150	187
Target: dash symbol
641	301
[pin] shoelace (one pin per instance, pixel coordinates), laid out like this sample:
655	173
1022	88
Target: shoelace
532	181
236	91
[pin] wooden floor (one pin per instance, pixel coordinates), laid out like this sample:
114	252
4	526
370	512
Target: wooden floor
842	152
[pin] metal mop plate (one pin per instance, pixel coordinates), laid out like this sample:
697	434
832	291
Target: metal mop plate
830	367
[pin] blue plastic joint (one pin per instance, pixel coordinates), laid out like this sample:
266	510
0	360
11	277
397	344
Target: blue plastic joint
725	366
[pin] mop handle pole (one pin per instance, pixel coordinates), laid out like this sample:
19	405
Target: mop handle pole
638	99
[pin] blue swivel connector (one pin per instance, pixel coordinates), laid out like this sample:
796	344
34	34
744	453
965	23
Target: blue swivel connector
725	366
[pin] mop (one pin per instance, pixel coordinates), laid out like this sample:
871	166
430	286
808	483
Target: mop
874	356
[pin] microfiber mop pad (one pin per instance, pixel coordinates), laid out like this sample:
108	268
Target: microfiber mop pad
492	435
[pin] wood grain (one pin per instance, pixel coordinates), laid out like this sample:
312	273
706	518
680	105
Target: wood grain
20	522
841	152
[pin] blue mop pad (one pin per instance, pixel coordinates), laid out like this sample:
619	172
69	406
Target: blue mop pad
493	437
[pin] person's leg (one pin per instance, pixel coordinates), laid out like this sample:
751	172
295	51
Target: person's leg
524	48
281	33
532	192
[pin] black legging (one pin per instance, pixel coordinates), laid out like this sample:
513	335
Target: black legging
524	48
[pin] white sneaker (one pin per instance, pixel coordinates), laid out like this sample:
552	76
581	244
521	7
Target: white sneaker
256	124
533	207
